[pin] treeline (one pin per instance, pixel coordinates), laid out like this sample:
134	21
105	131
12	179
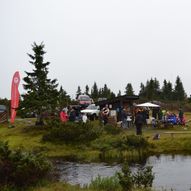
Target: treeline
43	94
151	90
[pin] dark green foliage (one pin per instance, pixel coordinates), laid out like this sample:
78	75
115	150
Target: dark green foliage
64	99
152	91
94	91
5	102
73	133
142	92
105	183
126	178
104	92
87	89
189	99
78	92
131	142
21	169
143	177
167	91
112	129
41	93
179	93
129	90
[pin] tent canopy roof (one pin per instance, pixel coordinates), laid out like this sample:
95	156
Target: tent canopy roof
147	104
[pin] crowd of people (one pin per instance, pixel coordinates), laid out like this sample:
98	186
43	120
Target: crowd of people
128	117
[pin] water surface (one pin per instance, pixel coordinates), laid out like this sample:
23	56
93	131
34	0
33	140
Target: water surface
170	171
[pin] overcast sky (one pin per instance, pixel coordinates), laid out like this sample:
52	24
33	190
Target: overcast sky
108	41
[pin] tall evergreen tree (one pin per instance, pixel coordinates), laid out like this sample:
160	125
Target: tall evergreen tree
179	93
41	92
112	95
64	98
170	90
167	90
78	92
129	89
94	91
150	89
119	93
142	90
157	91
87	89
106	91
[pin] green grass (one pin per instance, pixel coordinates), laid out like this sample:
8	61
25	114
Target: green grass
25	135
60	186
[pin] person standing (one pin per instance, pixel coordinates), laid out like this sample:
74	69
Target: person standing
84	118
181	116
63	116
124	118
105	114
139	122
129	120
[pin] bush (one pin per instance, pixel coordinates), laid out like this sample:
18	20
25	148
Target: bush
21	169
132	142
73	133
143	178
111	129
105	183
126	178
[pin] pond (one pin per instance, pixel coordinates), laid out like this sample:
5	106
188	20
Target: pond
170	171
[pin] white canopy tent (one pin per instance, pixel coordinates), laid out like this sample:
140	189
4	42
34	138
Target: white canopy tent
147	104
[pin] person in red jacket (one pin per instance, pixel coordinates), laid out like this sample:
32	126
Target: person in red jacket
63	116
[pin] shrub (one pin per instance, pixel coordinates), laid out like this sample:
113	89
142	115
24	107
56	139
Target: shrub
20	169
73	133
111	129
132	142
126	178
143	178
105	183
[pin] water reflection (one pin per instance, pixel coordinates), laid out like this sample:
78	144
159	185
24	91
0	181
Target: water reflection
170	171
76	173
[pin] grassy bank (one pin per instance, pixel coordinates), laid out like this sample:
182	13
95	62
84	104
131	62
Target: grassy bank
59	186
173	140
25	135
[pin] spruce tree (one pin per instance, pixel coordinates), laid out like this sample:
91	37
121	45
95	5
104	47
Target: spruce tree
179	93
167	90
142	90
41	92
150	89
78	92
157	91
129	90
119	93
87	89
64	98
170	91
94	91
106	91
